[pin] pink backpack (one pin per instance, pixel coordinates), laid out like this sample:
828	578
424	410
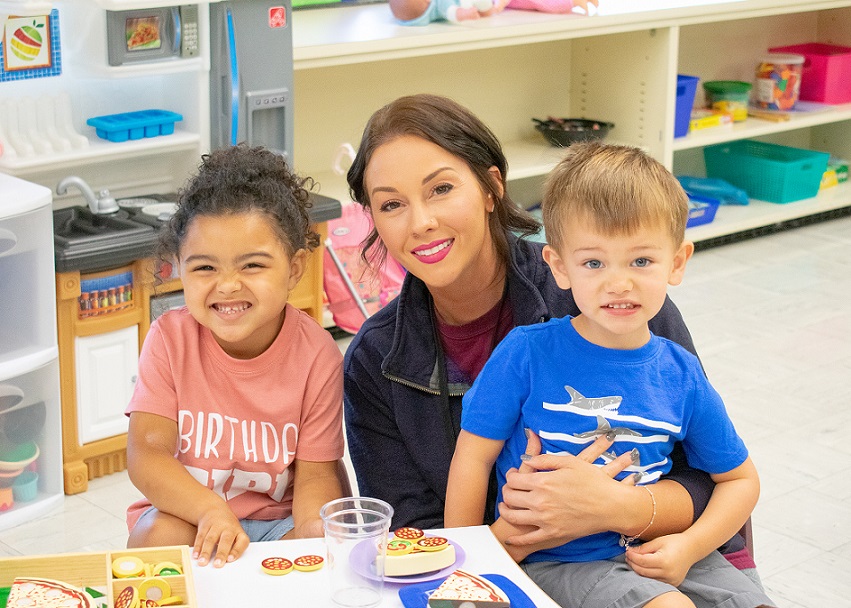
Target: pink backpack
353	289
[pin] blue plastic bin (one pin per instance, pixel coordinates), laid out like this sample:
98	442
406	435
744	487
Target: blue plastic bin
686	89
134	125
768	172
701	210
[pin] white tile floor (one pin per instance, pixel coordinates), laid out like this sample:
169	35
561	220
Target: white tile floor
772	321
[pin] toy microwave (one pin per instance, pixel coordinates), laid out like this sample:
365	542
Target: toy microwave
155	34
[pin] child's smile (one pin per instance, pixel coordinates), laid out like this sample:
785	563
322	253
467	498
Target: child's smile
237	275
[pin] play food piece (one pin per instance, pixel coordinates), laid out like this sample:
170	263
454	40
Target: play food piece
432	543
46	593
276	566
308	563
419	561
128	598
127	566
465	589
408	533
154	589
398	547
167	569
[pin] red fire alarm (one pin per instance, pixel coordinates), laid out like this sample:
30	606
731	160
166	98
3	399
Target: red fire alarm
277	17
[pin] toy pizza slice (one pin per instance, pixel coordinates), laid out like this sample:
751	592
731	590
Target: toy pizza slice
429	553
465	589
46	593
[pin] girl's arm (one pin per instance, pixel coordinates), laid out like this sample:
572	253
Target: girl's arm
315	484
469	473
165	482
669	558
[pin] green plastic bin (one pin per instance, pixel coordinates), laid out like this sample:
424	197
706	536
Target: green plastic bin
769	172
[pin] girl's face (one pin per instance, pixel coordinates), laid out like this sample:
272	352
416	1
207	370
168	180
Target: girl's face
431	213
618	282
237	276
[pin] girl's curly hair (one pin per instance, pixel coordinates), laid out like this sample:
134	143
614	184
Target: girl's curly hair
242	179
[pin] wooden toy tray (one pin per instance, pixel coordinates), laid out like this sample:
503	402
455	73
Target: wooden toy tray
95	571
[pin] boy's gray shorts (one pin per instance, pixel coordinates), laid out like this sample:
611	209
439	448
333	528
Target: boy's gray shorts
713	581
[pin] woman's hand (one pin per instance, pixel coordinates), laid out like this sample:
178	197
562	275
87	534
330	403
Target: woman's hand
562	497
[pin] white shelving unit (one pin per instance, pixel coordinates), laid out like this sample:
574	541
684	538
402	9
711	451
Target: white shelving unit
620	67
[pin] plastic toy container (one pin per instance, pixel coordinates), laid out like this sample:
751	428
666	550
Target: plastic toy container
686	89
769	172
729	97
134	125
826	75
701	210
778	81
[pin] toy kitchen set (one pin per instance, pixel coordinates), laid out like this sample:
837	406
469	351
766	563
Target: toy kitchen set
105	109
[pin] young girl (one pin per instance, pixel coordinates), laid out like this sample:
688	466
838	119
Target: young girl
236	419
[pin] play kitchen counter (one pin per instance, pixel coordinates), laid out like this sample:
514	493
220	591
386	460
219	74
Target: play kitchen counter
103	317
619	67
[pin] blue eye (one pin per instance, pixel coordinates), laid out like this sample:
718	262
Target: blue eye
593	264
642	262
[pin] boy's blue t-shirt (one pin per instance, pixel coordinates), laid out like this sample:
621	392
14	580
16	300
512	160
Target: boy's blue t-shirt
548	378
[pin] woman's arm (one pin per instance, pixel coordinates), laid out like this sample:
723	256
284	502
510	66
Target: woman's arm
384	466
315	483
566	497
165	482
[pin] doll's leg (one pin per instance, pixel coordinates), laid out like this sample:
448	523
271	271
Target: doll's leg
457	10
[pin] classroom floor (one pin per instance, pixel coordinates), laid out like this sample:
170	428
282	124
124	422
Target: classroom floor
772	321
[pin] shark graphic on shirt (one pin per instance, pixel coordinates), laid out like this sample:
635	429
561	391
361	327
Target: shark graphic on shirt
580	401
604	427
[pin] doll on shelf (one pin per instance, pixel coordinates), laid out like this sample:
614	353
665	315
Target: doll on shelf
423	12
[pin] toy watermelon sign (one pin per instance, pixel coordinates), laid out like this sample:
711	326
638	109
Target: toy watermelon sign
26	42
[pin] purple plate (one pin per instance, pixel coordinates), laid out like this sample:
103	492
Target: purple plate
361	561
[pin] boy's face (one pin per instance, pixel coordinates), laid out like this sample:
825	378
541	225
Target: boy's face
237	276
619	282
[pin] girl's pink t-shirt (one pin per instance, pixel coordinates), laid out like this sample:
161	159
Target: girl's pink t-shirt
242	423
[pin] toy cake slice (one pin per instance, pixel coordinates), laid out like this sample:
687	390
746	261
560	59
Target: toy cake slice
465	590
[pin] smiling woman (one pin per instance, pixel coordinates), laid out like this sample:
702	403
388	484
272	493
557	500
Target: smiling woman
433	177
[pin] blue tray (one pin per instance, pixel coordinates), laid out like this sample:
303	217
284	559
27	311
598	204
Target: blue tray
134	125
416	596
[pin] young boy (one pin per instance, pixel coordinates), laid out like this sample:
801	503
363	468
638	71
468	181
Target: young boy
615	224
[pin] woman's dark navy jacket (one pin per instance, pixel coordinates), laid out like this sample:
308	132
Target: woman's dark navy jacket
395	418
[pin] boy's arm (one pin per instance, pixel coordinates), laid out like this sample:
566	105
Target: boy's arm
469	473
315	484
165	482
668	558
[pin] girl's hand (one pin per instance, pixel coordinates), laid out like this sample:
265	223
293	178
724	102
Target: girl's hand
561	496
219	530
667	558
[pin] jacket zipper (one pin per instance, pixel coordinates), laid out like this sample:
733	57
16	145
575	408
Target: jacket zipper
419	387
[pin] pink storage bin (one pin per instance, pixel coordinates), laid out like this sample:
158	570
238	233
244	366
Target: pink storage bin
826	76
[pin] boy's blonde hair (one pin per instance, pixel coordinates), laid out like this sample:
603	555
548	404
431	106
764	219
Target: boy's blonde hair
617	188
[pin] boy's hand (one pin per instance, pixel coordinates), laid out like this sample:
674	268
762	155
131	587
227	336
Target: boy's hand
667	558
219	530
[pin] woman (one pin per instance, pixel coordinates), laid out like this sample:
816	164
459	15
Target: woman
433	178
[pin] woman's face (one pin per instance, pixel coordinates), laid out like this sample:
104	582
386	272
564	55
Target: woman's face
431	213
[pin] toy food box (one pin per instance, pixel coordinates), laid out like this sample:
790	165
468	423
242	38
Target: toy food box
114	579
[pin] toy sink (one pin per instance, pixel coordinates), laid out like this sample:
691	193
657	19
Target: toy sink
89	242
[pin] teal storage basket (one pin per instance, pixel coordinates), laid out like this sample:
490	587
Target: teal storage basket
769	172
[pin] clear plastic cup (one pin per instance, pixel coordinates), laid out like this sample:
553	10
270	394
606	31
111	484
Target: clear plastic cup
356	532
